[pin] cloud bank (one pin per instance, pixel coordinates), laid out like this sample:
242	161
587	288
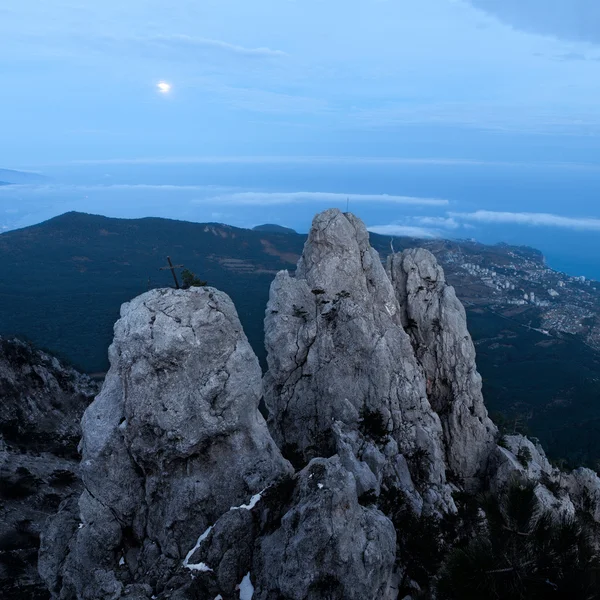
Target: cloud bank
531	219
404	231
278	198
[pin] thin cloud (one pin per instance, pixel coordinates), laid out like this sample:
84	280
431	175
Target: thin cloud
187	41
445	222
333	160
570	56
531	219
50	189
226	195
404	231
278	198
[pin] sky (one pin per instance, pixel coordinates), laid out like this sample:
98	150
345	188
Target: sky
319	90
309	77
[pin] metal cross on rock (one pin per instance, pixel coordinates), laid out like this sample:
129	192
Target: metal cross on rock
172	268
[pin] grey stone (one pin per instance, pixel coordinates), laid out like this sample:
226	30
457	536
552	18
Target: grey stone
337	352
437	324
41	403
584	489
172	442
328	545
506	469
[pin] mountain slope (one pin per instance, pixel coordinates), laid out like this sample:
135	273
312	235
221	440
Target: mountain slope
21	177
62	283
41	404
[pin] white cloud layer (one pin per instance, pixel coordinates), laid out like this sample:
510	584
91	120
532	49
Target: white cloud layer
444	222
531	219
191	42
277	198
404	230
333	160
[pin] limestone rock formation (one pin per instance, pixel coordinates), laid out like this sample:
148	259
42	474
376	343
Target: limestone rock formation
332	546
520	461
373	396
340	363
172	442
41	403
437	324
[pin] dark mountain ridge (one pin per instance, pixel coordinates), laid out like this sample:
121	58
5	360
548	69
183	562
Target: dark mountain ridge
62	283
273	228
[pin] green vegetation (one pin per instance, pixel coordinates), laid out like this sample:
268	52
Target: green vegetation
522	553
497	548
551	392
190	280
524	456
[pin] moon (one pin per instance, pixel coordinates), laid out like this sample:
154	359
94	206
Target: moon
163	87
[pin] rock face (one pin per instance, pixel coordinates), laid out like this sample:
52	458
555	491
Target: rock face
42	400
334	547
41	403
437	324
340	363
373	396
172	442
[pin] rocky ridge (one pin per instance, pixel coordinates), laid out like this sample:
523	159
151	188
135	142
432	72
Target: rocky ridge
41	403
376	423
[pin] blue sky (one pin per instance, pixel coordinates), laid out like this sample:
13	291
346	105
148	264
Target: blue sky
324	77
489	107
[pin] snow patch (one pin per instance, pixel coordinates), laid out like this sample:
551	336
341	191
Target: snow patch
246	588
199	566
320	486
204	568
253	502
121	561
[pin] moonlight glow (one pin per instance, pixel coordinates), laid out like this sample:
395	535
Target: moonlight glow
163	87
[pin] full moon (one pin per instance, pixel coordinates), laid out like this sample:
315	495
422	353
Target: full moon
163	87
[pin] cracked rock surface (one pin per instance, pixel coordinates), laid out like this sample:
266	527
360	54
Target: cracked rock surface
333	547
437	324
342	370
172	442
41	403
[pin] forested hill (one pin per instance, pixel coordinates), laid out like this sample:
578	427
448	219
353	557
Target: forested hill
62	283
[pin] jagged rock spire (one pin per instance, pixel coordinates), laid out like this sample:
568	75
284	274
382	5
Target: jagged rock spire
342	372
437	324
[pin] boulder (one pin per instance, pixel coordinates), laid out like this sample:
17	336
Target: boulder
328	545
172	442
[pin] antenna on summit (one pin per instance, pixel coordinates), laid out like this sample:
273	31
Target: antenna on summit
347	204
